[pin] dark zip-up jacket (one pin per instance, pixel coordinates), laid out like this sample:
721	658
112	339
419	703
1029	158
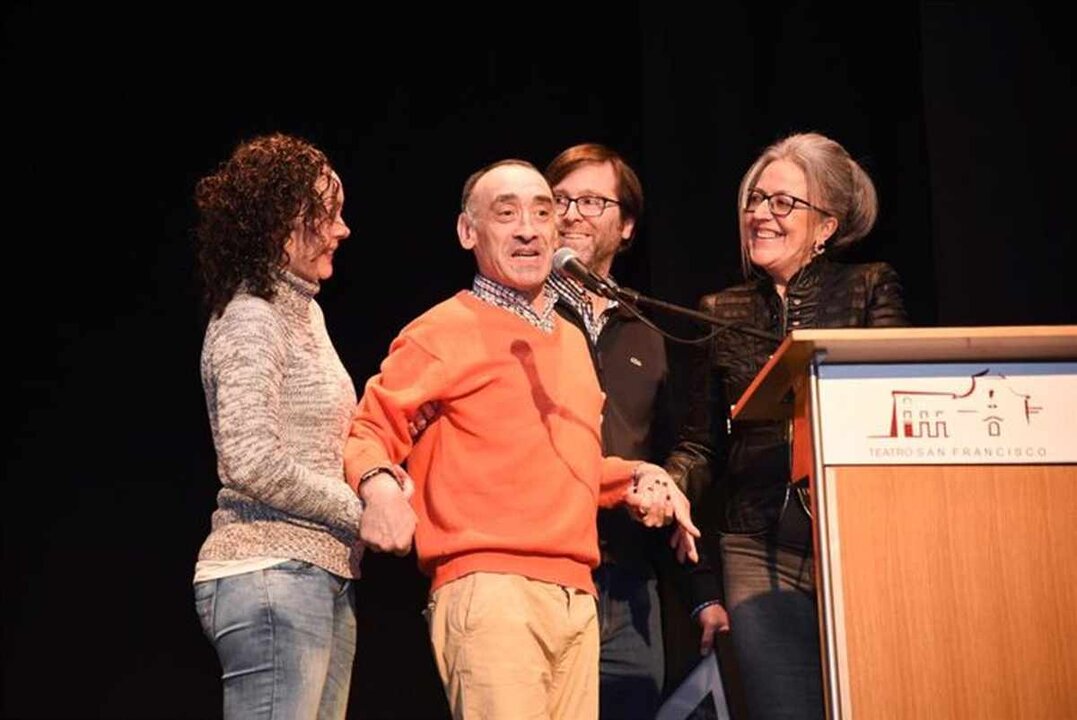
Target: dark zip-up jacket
738	474
630	361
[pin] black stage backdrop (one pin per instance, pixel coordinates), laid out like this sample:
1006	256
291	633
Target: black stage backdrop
960	113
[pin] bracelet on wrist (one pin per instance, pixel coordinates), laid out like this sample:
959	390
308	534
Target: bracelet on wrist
374	472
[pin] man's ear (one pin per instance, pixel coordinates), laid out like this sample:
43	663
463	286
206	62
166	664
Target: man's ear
465	231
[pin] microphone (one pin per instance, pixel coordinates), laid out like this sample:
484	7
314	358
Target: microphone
566	262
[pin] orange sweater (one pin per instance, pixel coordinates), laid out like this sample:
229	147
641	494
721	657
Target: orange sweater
510	474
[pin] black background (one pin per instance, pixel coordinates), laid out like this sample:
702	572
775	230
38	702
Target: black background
960	113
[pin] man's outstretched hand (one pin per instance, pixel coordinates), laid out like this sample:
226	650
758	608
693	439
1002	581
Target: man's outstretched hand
654	500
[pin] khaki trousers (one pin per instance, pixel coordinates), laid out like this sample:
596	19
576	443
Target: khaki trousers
510	648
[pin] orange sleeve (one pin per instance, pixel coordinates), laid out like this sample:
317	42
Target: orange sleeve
409	376
616	477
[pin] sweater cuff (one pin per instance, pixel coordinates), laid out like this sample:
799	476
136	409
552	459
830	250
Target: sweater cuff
705	587
698	608
616	478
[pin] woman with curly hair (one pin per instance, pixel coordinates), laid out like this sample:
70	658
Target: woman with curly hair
274	579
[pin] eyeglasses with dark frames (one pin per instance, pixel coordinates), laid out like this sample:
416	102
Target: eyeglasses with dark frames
780	204
586	205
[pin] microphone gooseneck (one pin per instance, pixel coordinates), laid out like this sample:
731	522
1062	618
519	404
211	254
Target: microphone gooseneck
566	262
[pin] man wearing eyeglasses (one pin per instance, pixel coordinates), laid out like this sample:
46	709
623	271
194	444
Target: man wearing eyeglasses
598	200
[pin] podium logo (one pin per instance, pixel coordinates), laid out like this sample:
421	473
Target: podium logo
972	414
985	410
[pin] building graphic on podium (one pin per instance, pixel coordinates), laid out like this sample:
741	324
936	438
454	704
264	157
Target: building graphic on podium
985	409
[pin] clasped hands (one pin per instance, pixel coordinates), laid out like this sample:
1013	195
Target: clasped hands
654	500
388	522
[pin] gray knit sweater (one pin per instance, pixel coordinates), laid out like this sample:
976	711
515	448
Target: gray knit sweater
280	405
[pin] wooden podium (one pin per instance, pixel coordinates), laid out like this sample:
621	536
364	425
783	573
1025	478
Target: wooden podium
943	465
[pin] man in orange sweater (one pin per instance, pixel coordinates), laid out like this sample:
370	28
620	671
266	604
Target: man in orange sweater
509	475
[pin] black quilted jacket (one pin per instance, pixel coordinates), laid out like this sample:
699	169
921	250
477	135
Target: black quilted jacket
738	475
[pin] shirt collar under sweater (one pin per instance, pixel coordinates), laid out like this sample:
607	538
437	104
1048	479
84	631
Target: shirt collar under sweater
574	294
513	300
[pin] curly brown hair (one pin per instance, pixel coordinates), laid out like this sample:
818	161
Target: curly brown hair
247	209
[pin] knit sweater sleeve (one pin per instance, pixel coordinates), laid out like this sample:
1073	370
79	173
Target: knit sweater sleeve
244	363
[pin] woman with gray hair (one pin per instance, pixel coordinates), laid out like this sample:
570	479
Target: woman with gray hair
802	202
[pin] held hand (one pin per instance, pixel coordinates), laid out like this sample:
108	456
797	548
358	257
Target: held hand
712	618
684	545
687	532
423	417
649	498
654	499
388	522
407	485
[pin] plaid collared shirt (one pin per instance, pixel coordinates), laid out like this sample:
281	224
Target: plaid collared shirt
512	300
575	295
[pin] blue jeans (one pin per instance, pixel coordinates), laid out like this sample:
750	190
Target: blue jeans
773	618
285	637
631	661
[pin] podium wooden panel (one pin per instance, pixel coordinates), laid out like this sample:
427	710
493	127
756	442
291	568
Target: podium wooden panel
945	590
